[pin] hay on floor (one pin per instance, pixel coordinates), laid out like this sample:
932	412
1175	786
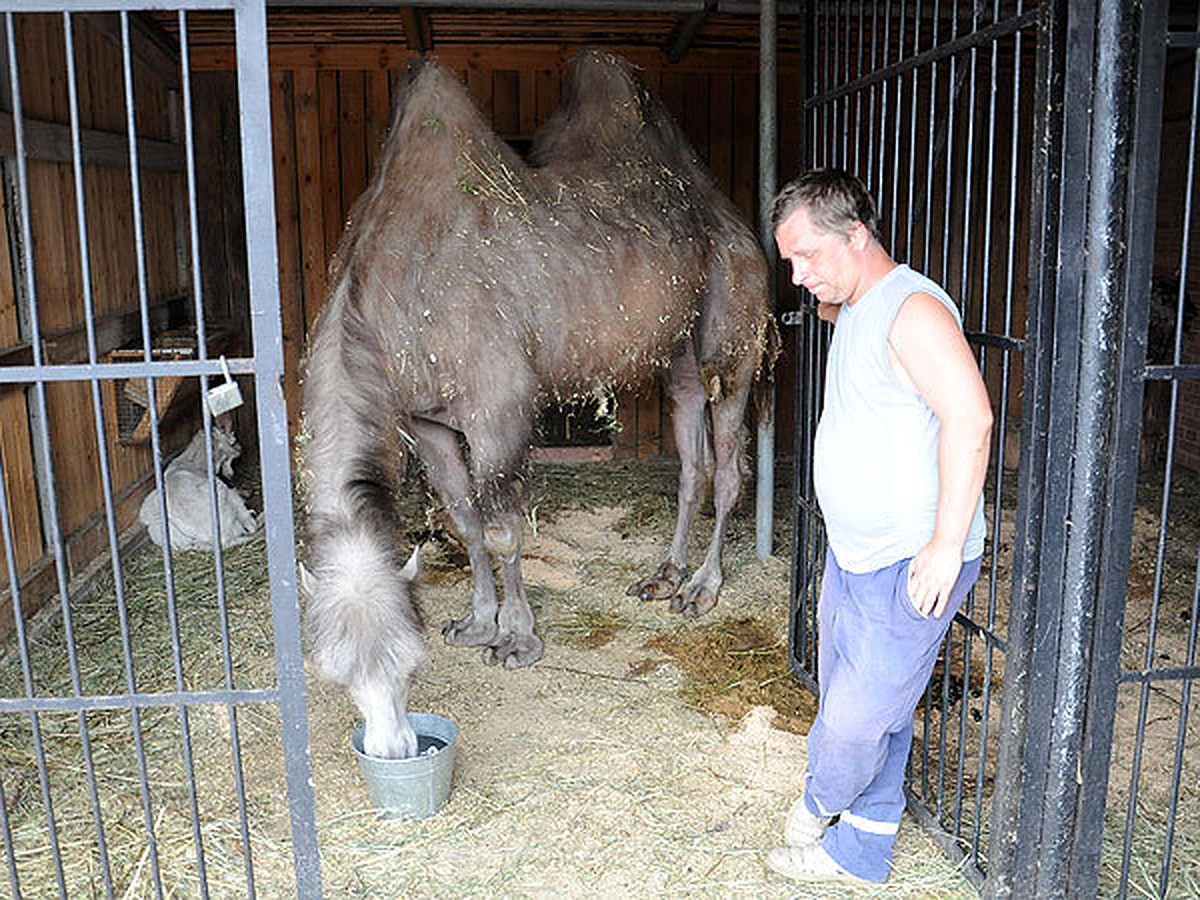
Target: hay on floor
645	755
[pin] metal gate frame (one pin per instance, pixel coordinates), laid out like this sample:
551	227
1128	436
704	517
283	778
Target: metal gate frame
266	367
1099	77
848	80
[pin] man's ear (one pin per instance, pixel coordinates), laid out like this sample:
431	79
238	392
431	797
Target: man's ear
860	236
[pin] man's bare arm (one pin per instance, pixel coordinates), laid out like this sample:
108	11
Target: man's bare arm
934	355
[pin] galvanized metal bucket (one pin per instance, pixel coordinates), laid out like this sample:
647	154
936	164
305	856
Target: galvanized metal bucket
419	786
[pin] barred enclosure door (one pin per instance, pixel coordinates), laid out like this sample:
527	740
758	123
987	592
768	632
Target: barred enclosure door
1013	150
933	110
153	731
1141	740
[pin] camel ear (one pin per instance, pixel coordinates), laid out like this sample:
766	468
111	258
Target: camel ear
306	581
412	568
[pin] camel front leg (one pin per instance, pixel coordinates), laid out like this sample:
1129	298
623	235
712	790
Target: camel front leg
729	438
516	645
438	448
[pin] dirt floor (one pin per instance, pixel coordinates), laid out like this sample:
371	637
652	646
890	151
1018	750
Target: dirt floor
643	756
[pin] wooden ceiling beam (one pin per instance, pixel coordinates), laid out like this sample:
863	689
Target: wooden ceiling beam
461	56
418	33
683	7
685	31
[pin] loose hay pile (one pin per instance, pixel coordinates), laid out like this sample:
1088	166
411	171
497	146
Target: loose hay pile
642	757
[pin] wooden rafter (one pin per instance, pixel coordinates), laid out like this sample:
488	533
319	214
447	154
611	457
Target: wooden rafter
418	33
685	32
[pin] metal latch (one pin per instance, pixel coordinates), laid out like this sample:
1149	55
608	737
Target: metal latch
792	317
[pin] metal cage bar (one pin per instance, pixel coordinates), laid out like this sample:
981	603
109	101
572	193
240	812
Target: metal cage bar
924	129
47	474
202	352
1141	816
287	694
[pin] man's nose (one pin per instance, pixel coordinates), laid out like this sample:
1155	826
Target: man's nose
797	274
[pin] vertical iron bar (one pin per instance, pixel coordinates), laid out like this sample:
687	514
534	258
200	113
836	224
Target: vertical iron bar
850	126
825	57
768	165
835	65
931	155
202	353
948	216
1010	832
801	634
943	705
964	270
102	455
878	177
927	214
912	138
999	460
867	173
962	292
14	882
947	180
858	94
1068	332
1084	112
897	130
263	272
1064	576
1098	500
826	80
55	541
1185	707
1149	134
135	182
1177	354
10	559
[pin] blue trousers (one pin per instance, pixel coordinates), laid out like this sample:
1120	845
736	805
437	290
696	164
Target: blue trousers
874	660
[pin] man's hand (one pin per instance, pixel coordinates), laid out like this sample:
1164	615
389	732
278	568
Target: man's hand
931	576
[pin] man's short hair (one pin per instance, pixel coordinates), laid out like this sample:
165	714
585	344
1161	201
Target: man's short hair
835	200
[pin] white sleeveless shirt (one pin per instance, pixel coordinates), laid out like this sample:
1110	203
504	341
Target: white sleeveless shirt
875	465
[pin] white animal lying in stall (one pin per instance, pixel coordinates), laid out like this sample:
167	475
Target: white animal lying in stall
188	504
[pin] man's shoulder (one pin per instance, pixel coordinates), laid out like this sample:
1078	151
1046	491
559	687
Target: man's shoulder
914	281
931	298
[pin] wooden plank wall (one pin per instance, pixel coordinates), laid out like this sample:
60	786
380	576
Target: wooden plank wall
58	278
331	114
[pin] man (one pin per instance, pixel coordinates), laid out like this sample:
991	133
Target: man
900	458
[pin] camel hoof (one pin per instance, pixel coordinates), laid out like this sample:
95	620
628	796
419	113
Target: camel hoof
694	606
514	651
662	584
467	632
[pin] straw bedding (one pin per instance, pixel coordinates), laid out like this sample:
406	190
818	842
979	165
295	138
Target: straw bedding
644	756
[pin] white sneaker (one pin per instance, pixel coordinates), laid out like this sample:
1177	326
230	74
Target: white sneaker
804	828
809	863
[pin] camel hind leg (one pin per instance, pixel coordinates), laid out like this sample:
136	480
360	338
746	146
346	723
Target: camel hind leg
727	413
734	333
692	441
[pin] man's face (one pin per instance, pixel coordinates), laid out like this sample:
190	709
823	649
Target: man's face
822	261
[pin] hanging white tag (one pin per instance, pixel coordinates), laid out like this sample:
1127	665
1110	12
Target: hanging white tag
224	397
